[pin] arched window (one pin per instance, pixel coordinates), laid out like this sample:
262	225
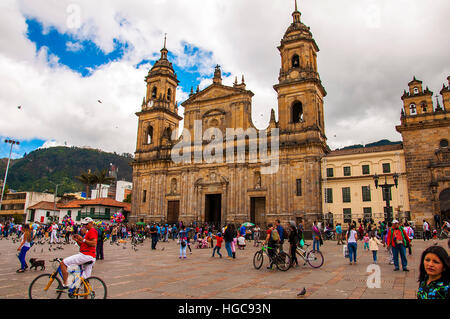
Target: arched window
167	133
319	118
169	94
423	105
154	92
412	109
297	112
295	61
150	134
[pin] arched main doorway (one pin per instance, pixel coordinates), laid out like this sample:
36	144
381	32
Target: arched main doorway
444	203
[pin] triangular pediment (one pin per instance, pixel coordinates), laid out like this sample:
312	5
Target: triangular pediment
214	91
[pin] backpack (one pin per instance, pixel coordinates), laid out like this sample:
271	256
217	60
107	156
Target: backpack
274	235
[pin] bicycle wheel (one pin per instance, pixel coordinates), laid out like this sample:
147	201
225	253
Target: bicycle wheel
98	287
36	290
258	259
283	261
315	258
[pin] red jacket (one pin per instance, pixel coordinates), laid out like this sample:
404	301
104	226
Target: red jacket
219	241
390	238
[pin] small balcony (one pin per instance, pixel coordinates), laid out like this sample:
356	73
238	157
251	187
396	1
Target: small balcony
93	215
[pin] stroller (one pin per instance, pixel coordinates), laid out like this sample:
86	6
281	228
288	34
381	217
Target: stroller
241	242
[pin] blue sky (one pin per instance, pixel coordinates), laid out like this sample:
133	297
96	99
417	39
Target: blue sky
79	55
19	150
84	57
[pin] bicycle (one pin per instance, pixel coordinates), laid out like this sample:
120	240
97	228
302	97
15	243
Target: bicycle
48	286
443	234
280	259
331	235
313	257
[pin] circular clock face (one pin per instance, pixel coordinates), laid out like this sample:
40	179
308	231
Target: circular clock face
294	74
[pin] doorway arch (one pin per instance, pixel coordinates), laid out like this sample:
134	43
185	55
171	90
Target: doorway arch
444	203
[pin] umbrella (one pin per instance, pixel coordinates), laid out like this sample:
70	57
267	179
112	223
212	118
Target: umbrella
248	224
140	223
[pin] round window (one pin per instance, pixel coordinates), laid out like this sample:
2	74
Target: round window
443	143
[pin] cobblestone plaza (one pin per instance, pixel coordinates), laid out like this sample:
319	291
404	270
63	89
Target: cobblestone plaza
160	274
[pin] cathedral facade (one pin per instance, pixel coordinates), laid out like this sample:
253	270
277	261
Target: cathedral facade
221	169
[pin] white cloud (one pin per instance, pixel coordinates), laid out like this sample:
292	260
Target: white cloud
369	52
54	143
74	46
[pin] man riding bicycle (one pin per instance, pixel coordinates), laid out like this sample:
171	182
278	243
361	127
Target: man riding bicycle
272	242
88	245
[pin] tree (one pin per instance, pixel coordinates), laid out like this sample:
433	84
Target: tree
101	177
88	179
127	199
6	189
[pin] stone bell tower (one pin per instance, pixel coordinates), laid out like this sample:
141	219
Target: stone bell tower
300	91
425	129
301	118
158	117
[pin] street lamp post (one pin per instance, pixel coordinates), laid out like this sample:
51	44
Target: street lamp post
12	142
386	190
54	197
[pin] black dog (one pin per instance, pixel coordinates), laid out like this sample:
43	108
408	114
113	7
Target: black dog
35	263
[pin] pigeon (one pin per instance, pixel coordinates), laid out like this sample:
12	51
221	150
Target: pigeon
163	248
302	293
42	250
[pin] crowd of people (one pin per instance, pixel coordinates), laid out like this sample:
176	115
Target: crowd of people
395	237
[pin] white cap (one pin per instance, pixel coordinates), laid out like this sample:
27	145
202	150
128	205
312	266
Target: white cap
395	221
87	220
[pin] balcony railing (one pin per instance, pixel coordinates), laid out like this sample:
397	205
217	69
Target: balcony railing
94	215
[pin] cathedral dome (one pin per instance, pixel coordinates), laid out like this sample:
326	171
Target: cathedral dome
297	30
163	66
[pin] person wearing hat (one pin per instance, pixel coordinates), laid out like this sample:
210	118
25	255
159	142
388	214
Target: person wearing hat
88	245
398	240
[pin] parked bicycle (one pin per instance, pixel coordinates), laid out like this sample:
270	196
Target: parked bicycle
443	234
48	286
313	257
281	260
329	235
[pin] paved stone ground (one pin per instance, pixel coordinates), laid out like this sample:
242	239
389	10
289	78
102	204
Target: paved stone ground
147	274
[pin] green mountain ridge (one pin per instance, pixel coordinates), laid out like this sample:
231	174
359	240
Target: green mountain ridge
37	170
378	143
